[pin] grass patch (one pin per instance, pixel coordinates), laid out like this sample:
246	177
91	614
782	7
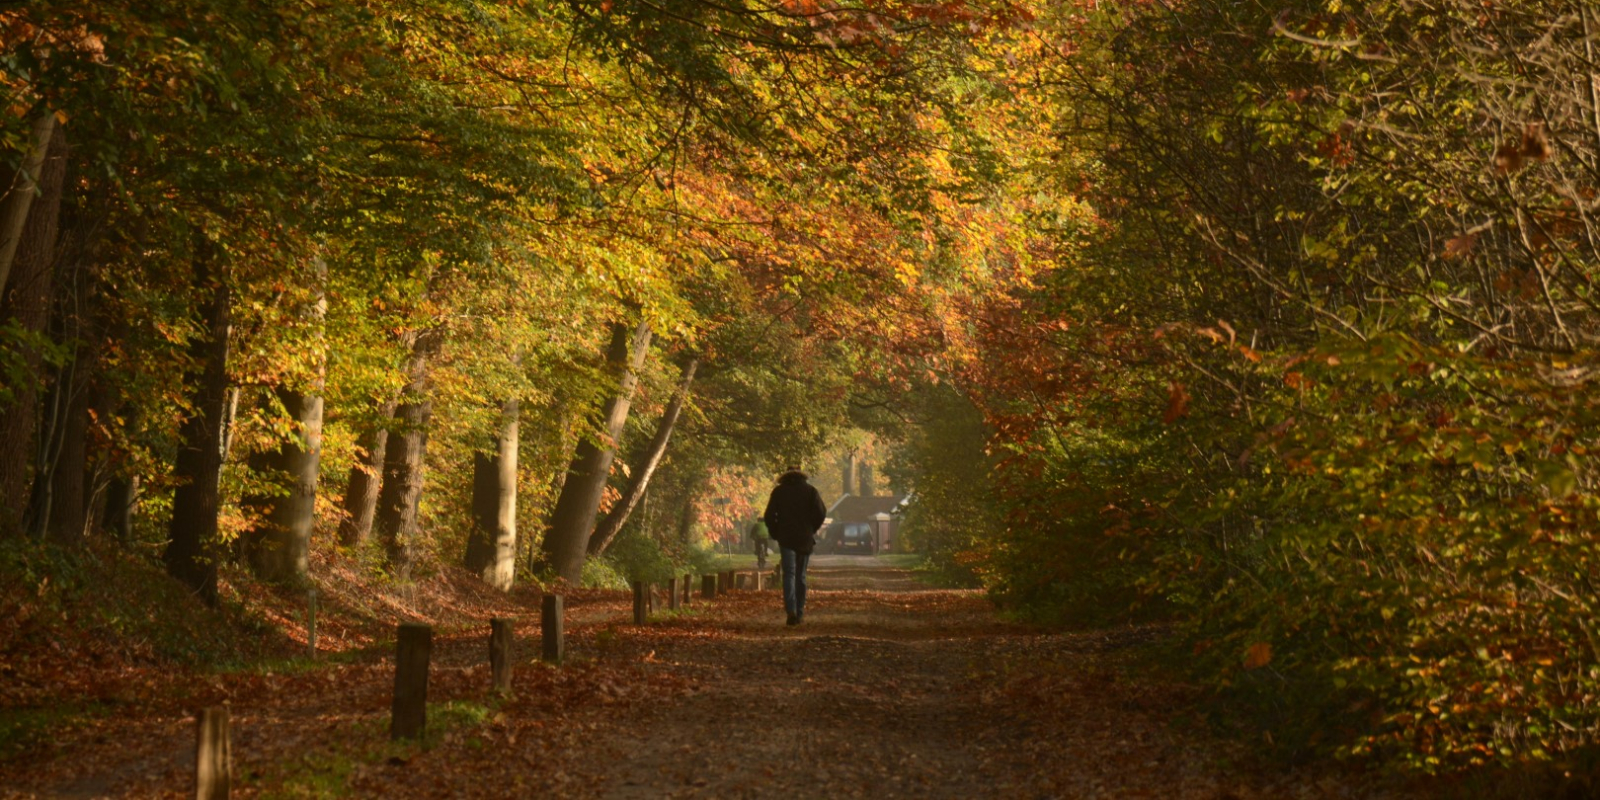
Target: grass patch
741	561
676	613
912	561
329	774
453	715
23	728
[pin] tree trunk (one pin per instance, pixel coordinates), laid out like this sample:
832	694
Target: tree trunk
60	507
19	198
613	522
27	301
689	516
492	545
579	503
191	542
280	549
395	517
122	498
366	476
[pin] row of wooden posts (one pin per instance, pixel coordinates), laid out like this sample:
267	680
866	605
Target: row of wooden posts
413	650
646	601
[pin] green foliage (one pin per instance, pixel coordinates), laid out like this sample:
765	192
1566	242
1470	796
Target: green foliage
636	557
952	517
1315	382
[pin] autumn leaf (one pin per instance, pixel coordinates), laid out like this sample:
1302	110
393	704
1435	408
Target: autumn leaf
1507	159
1460	246
1535	145
1258	655
1177	402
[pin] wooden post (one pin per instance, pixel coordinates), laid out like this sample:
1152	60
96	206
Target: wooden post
725	581
641	603
708	586
413	647
553	628
761	580
688	580
213	772
311	623
502	647
674	599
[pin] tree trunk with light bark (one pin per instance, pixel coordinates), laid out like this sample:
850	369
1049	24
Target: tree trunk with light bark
606	531
572	520
279	549
492	544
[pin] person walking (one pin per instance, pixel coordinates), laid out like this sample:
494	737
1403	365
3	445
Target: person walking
794	513
758	535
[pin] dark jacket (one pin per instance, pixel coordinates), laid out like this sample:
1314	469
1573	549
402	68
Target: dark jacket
794	513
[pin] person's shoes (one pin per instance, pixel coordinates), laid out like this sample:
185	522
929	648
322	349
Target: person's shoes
794	620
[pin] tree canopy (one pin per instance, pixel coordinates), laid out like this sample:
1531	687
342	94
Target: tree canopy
1272	319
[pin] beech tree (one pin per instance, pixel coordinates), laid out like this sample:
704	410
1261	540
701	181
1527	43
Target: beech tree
492	543
572	520
642	472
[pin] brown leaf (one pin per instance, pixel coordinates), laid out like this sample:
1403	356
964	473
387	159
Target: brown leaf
1258	655
1507	159
1177	402
1460	246
1535	144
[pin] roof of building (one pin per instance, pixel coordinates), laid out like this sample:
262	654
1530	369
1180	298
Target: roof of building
852	508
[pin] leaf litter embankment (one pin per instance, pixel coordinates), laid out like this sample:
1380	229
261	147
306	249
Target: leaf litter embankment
889	689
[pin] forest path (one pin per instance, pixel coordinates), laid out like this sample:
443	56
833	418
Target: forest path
889	689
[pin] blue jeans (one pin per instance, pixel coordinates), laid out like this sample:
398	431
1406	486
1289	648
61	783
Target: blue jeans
794	580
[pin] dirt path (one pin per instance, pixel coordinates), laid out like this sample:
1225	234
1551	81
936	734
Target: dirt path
890	689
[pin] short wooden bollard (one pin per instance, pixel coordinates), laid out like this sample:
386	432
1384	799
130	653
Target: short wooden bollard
687	581
708	586
502	652
641	602
413	648
213	769
725	582
311	623
674	600
553	629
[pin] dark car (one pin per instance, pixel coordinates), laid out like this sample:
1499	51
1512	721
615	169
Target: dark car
856	537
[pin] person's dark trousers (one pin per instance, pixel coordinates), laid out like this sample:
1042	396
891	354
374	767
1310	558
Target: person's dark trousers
794	581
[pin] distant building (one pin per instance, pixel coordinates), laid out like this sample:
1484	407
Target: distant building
863	524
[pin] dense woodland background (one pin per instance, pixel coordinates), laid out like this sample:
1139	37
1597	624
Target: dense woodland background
1273	321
